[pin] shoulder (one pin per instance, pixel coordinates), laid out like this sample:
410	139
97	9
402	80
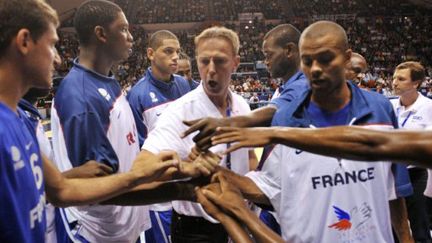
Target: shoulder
239	101
182	82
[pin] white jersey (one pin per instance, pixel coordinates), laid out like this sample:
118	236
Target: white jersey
166	136
324	199
417	117
45	147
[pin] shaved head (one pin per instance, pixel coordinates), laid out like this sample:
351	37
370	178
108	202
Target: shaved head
283	34
356	67
326	30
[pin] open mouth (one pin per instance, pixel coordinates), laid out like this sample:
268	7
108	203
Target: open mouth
318	81
212	83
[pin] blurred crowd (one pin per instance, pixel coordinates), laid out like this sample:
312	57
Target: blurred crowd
383	38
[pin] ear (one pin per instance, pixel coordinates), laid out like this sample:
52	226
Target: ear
150	53
236	63
100	33
348	54
23	41
290	49
417	84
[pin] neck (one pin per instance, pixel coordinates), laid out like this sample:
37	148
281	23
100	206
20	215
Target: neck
221	102
333	101
408	99
290	73
157	74
96	60
12	85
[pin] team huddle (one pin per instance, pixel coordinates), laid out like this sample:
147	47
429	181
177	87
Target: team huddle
173	161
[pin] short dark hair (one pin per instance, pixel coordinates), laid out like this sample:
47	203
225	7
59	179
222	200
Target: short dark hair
417	71
283	34
157	37
34	15
184	56
94	13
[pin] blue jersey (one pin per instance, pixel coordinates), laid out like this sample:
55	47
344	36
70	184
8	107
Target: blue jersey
22	196
149	97
88	106
294	87
92	120
193	84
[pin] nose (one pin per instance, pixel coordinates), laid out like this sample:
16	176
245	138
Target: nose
316	70
266	62
211	68
130	37
395	82
175	56
57	59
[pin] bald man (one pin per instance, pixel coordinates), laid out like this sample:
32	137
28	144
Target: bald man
346	200
356	68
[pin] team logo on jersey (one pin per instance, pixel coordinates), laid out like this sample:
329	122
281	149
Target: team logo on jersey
344	220
153	97
418	118
354	220
16	157
130	138
104	93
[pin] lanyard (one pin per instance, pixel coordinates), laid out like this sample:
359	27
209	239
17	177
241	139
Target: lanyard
228	156
406	119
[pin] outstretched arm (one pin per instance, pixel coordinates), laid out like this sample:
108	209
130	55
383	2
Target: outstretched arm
345	142
63	192
233	227
207	126
229	198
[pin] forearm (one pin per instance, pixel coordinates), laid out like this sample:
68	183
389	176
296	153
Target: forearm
261	117
75	192
359	143
247	187
399	218
73	173
234	229
261	233
155	193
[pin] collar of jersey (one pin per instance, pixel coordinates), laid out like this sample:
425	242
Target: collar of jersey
160	84
413	108
360	107
296	76
109	78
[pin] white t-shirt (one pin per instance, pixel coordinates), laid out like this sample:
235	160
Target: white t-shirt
323	199
417	117
45	147
166	136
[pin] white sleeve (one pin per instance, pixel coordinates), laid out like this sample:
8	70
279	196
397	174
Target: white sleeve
428	189
166	134
391	185
268	179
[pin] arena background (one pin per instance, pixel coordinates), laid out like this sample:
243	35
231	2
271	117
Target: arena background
385	32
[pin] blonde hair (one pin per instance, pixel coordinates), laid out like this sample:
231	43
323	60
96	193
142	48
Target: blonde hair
220	32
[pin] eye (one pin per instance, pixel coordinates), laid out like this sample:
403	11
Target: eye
219	61
307	61
325	59
204	61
